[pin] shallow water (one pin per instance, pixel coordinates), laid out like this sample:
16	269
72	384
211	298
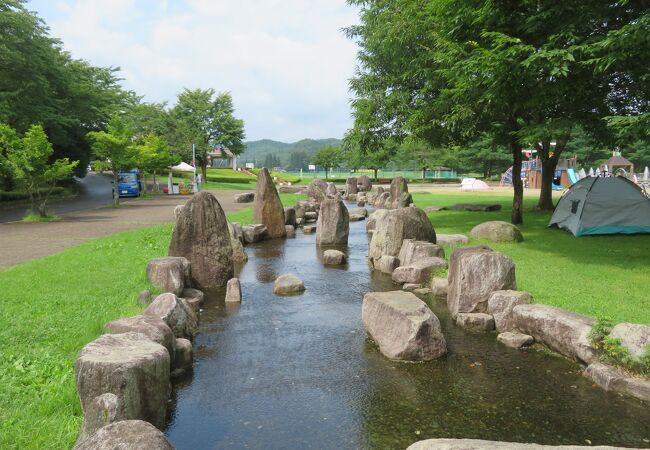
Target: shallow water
299	372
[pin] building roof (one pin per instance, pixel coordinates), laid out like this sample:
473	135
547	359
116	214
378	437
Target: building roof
618	160
221	153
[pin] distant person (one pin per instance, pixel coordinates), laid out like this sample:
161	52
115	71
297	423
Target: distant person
198	183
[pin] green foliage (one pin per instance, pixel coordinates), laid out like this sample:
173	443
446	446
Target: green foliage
612	352
294	156
12	196
328	158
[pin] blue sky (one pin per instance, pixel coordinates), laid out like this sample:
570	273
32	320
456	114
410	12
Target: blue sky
286	62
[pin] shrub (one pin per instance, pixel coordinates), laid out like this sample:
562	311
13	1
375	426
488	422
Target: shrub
12	196
612	352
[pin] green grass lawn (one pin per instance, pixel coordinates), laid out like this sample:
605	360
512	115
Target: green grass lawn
593	275
49	309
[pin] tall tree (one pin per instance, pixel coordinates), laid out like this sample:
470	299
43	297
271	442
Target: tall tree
328	158
207	120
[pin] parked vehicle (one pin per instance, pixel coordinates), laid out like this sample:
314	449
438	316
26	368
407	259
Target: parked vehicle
129	183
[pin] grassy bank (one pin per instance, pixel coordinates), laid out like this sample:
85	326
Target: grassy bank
49	309
593	275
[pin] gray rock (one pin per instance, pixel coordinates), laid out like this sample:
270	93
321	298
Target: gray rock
317	190
474	207
352	197
364	183
412	251
309	229
179	317
288	284
501	304
356	217
351	186
403	326
439	287
285	189
311	216
451	239
377	215
201	235
562	331
333	226
268	209
361	202
514	339
153	328
381	199
300	212
144	297
612	379
422	291
387	264
193	298
130	366
331	190
430	209
411	287
177	211
477	444
183	357
634	337
233	290
497	231
238	253
475	321
291	231
255	233
397	225
235	228
102	411
246	197
290	216
359	211
405	200
169	274
334	257
419	271
126	435
474	273
398	187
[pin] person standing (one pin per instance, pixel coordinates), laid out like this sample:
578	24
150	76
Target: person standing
198	182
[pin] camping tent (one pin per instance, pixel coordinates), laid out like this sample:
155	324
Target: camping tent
472	184
183	167
599	205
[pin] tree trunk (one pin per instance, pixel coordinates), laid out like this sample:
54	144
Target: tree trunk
424	173
545	202
204	171
116	187
518	186
376	170
155	186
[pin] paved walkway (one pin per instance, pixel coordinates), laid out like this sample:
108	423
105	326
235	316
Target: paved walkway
20	242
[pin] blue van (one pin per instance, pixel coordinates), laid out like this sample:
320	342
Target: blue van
129	183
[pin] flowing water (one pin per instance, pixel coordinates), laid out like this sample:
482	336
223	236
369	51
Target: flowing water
299	372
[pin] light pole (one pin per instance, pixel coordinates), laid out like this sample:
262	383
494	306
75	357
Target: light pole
194	165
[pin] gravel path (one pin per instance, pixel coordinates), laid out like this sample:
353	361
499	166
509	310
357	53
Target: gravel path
20	242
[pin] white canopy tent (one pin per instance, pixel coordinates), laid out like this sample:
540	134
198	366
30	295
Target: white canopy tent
182	167
472	184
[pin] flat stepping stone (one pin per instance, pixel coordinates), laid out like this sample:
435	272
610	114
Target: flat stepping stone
288	284
515	340
474	207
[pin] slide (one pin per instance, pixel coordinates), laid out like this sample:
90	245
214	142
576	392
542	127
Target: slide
573	176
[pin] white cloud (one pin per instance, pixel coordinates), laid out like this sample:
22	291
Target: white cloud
286	62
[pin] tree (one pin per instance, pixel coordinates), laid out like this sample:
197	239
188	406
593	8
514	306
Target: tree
272	160
207	120
114	146
30	158
328	158
298	160
154	155
8	141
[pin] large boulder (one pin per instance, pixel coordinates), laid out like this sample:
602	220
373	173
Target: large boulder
153	328
398	187
377	215
175	313
246	197
501	304
381	200
474	273
288	284
129	366
254	233
612	379
497	231
475	321
351	186
418	271
126	435
169	274
477	444
364	183
290	216
238	253
334	257
183	357
387	264
331	191
317	190
201	235
268	208
451	239
403	326
562	331
634	337
413	251
193	298
439	287
397	225
233	291
333	226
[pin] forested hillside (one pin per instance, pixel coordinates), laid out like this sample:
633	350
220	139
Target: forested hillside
292	156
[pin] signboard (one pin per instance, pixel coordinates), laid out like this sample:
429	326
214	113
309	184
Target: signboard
250	165
312	167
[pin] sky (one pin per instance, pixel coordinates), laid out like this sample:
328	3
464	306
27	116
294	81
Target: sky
286	62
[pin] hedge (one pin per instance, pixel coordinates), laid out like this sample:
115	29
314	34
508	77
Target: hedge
13	196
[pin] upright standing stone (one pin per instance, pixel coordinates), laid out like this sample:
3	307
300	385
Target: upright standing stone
290	216
351	186
331	190
238	253
169	274
201	235
317	190
267	208
333	226
396	225
233	291
364	183
398	187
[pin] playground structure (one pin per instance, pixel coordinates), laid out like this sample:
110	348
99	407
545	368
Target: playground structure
531	173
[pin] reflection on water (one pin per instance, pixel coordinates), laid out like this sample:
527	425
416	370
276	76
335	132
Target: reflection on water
298	372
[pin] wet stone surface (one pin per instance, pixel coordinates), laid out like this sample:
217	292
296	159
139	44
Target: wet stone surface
299	372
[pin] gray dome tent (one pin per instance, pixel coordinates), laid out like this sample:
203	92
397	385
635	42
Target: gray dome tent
599	205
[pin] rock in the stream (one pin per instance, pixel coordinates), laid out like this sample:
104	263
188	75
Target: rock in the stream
497	231
474	273
233	290
130	366
399	187
364	183
410	287
331	190
334	257
477	444
612	379
291	231
201	235
288	284
169	274
153	328
193	298
183	357
351	186
439	287
309	229
451	239
333	226
501	304
475	321
126	435
290	216
397	225
387	264
562	331
254	233
359	211
634	337
413	251
403	326
419	271
317	190
174	312
246	197
514	339
268	209
238	253
377	215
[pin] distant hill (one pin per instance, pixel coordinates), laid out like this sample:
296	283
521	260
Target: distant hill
257	151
